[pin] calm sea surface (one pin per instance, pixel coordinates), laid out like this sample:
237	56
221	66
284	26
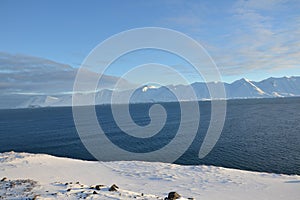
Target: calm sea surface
259	134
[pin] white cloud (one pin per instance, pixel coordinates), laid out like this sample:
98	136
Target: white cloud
259	4
246	36
261	40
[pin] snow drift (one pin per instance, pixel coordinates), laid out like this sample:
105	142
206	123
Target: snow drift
47	177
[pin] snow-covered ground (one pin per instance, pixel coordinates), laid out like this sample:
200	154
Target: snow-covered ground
38	176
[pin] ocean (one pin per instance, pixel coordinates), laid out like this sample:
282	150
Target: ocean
259	134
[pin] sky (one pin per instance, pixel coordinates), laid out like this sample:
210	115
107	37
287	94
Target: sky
253	39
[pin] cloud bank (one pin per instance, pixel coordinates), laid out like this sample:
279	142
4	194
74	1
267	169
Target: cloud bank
22	74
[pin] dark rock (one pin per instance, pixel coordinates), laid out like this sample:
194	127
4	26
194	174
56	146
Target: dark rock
98	187
113	188
3	179
35	197
173	195
95	192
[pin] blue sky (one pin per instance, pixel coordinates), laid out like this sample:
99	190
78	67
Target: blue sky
254	39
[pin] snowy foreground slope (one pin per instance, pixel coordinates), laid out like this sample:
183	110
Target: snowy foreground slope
49	177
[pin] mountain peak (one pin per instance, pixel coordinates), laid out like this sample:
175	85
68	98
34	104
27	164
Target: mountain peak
245	80
146	87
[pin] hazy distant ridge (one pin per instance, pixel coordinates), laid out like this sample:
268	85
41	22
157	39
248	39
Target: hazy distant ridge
240	89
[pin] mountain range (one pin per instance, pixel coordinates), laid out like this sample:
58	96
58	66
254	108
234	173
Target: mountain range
240	89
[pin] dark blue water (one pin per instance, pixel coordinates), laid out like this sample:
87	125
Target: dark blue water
259	135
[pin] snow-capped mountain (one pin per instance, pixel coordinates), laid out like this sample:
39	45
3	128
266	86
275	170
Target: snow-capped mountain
45	101
280	87
244	88
240	89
